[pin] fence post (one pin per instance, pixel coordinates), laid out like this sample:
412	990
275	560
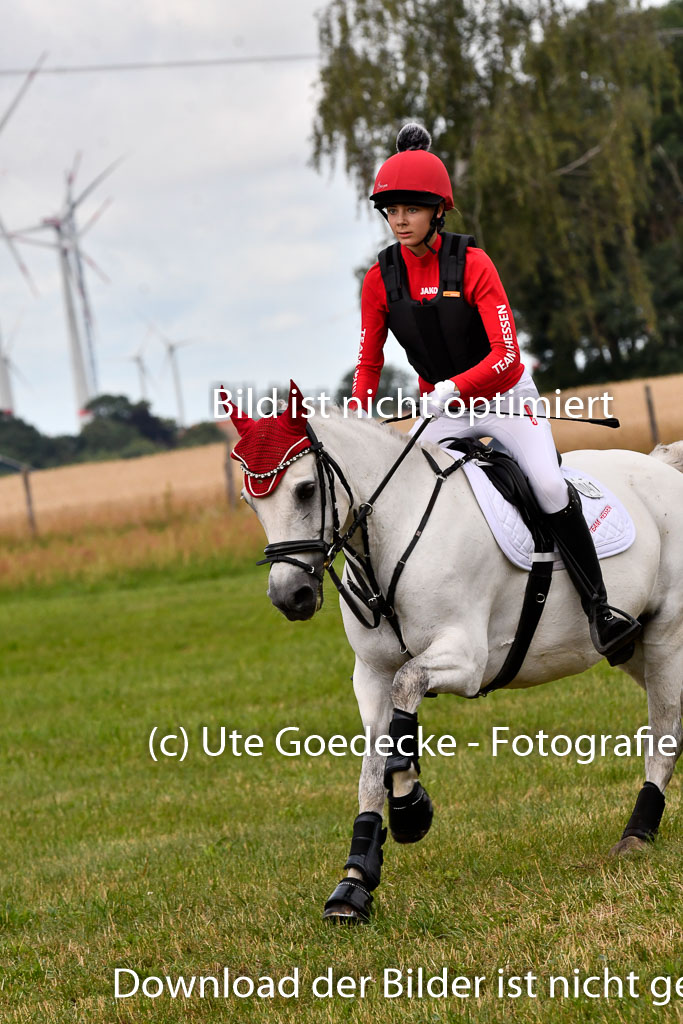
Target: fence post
26	479
654	430
24	469
229	478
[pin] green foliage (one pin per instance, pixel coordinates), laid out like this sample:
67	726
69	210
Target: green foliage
106	435
22	442
201	433
117	409
118	429
562	131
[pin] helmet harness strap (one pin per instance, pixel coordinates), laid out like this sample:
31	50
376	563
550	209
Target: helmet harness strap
435	224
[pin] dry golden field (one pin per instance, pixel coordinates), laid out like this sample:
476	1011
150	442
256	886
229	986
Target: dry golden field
116	492
101	518
162	509
630	407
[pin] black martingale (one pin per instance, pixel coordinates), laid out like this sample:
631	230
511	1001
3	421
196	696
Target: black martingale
362	593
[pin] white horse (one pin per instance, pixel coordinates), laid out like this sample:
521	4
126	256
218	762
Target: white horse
458	603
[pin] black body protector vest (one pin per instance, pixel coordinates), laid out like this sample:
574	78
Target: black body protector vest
441	336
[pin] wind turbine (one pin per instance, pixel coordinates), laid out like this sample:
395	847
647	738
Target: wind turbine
7	369
6	394
71	258
143	373
171	354
4	118
79	257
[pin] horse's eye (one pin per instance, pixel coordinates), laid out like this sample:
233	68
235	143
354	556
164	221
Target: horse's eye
305	491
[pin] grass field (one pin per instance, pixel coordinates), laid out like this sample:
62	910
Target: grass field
110	860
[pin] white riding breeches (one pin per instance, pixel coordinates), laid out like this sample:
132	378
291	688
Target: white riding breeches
528	438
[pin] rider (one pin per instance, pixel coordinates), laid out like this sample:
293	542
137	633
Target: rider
443	300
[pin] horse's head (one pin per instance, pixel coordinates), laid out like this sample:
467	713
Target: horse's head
286	486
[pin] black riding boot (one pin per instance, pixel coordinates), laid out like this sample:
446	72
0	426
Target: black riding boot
613	632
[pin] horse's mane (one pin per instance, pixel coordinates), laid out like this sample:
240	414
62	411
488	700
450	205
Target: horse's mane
335	412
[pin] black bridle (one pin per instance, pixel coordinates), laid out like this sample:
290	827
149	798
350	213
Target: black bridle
362	587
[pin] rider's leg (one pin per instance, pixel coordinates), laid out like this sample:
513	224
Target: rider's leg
612	635
531	442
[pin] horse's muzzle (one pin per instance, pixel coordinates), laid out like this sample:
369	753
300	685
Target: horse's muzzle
297	603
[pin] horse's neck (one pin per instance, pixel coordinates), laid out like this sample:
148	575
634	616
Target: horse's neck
364	453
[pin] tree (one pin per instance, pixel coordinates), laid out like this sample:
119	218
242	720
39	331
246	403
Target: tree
119	429
206	432
562	131
22	442
118	409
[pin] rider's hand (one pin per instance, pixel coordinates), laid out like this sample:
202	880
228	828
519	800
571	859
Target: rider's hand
443	391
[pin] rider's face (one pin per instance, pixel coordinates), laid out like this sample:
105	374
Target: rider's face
410	224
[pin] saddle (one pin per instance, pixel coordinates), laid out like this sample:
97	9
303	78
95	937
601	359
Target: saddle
511	511
504	475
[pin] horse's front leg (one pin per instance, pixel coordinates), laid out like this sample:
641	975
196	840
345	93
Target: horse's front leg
448	665
352	898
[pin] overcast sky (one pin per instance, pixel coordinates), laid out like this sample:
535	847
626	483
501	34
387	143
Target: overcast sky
219	230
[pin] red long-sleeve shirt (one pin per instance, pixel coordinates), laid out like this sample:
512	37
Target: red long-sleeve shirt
482	288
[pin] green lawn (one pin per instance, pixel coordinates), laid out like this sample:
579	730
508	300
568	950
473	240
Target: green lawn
109	860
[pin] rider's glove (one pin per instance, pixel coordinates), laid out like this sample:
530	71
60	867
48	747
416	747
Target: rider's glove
443	391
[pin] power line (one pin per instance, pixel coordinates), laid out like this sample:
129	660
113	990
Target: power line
156	65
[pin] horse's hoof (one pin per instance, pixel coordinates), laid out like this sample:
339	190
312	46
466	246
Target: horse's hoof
349	903
629	845
410	817
342	913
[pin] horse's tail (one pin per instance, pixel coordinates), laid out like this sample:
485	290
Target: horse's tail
672	454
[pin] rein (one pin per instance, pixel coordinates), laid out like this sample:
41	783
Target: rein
363	587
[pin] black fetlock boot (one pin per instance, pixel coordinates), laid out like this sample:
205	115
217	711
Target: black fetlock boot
613	631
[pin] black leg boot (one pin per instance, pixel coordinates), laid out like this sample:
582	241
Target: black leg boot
613	632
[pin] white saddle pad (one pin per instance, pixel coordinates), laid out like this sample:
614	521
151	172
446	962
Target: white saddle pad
607	518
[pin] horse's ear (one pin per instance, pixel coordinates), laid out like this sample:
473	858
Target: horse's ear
242	422
295	404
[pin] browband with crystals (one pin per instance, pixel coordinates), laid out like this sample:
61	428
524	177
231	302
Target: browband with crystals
278	469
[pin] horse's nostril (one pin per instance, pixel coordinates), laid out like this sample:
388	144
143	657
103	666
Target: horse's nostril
303	598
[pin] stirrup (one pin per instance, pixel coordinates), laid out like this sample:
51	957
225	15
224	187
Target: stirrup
615	637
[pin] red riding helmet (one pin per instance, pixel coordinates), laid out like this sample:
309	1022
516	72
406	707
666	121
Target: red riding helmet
413	175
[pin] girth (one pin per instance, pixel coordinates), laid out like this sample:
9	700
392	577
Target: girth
507	477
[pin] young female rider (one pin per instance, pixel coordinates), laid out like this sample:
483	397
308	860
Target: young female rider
443	300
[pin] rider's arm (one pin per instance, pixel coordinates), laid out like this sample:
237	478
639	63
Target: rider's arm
501	368
373	334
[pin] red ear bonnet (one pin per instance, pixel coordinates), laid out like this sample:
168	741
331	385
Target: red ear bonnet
268	446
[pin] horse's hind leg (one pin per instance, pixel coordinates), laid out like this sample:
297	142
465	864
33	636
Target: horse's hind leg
662	676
